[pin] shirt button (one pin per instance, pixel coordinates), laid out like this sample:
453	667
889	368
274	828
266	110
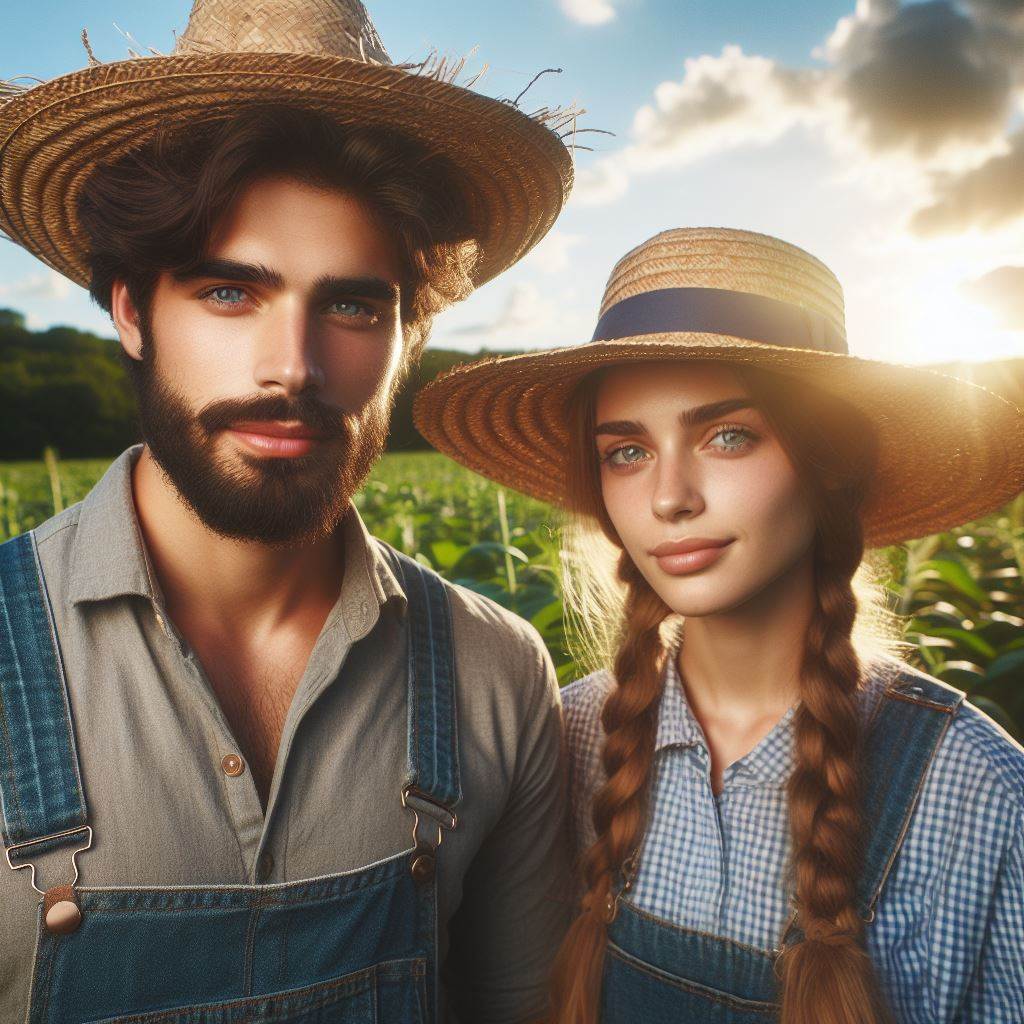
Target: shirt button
265	866
232	764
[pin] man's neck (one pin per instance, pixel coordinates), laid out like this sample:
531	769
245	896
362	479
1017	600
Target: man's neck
237	584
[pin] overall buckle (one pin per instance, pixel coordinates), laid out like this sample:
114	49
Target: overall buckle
61	911
423	861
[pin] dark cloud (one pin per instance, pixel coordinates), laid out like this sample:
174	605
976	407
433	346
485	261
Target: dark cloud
1003	291
1011	10
985	197
924	75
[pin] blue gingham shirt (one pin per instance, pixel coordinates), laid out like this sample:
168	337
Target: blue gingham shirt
948	935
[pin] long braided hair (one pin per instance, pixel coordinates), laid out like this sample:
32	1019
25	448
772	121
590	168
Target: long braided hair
828	977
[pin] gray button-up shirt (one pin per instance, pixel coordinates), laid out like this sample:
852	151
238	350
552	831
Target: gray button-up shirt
169	808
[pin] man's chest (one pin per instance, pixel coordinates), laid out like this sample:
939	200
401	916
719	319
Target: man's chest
255	690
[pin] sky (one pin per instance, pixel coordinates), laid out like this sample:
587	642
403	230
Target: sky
885	138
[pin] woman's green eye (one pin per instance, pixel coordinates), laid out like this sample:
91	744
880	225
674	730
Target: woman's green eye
741	438
626	455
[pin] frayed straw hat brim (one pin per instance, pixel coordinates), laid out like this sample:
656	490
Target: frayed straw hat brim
950	450
516	170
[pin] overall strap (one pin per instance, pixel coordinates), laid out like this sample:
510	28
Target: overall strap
909	723
433	784
41	792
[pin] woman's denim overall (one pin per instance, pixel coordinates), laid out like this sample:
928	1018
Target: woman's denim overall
352	948
659	973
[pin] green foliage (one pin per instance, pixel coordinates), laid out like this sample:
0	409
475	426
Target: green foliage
64	388
961	591
70	390
964	596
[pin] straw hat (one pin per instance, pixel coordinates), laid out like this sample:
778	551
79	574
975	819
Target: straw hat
949	450
321	55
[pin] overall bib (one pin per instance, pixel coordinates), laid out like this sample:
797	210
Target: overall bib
352	948
661	973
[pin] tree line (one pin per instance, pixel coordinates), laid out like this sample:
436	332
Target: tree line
69	389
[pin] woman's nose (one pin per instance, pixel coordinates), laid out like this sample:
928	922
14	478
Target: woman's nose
675	492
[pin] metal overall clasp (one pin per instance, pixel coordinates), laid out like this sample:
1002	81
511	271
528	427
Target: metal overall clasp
628	871
427	816
61	911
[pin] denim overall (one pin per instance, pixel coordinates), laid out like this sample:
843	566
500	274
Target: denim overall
352	948
660	973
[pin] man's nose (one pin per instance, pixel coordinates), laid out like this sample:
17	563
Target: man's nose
288	351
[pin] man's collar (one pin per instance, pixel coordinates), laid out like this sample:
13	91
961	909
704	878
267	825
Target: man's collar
110	558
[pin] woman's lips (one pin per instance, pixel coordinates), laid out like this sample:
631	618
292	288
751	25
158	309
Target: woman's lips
678	563
276	439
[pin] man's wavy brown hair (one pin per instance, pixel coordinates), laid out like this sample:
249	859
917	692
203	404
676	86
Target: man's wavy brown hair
155	209
827	978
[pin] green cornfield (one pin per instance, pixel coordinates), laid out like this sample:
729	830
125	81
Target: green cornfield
960	592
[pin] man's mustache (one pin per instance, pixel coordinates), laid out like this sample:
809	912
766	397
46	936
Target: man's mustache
308	411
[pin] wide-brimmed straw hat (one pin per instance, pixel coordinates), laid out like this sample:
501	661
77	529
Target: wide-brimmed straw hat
949	450
321	55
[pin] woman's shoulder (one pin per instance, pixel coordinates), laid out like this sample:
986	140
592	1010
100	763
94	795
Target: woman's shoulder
582	701
583	698
976	757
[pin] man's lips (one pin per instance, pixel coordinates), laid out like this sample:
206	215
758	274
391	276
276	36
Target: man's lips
277	428
276	438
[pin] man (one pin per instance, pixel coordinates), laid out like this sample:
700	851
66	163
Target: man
257	765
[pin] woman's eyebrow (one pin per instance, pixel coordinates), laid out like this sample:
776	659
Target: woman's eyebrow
688	417
620	427
703	413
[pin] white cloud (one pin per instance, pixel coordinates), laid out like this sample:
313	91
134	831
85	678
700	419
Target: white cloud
907	90
588	12
47	285
525	310
552	254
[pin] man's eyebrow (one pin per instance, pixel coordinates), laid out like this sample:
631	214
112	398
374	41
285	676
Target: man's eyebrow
233	270
688	417
328	286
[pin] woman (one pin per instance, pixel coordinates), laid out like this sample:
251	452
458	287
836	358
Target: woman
777	818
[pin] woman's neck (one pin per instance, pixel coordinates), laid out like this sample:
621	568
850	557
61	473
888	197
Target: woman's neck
744	664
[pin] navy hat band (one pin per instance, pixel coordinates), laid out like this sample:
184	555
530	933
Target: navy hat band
717	311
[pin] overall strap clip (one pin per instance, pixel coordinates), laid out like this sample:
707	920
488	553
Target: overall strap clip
42	798
432	787
423	863
61	911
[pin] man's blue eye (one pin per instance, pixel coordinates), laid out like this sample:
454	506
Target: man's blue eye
350	310
228	296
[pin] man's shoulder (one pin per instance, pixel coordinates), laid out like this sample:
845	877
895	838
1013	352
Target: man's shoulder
499	655
53	539
49	533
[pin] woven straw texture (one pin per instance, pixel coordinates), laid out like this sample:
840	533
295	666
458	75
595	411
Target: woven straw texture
322	55
950	450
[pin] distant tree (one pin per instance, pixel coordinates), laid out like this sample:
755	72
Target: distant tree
69	389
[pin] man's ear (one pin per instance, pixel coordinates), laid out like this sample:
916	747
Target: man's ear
126	319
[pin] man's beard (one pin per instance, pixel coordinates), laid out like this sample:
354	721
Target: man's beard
278	501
